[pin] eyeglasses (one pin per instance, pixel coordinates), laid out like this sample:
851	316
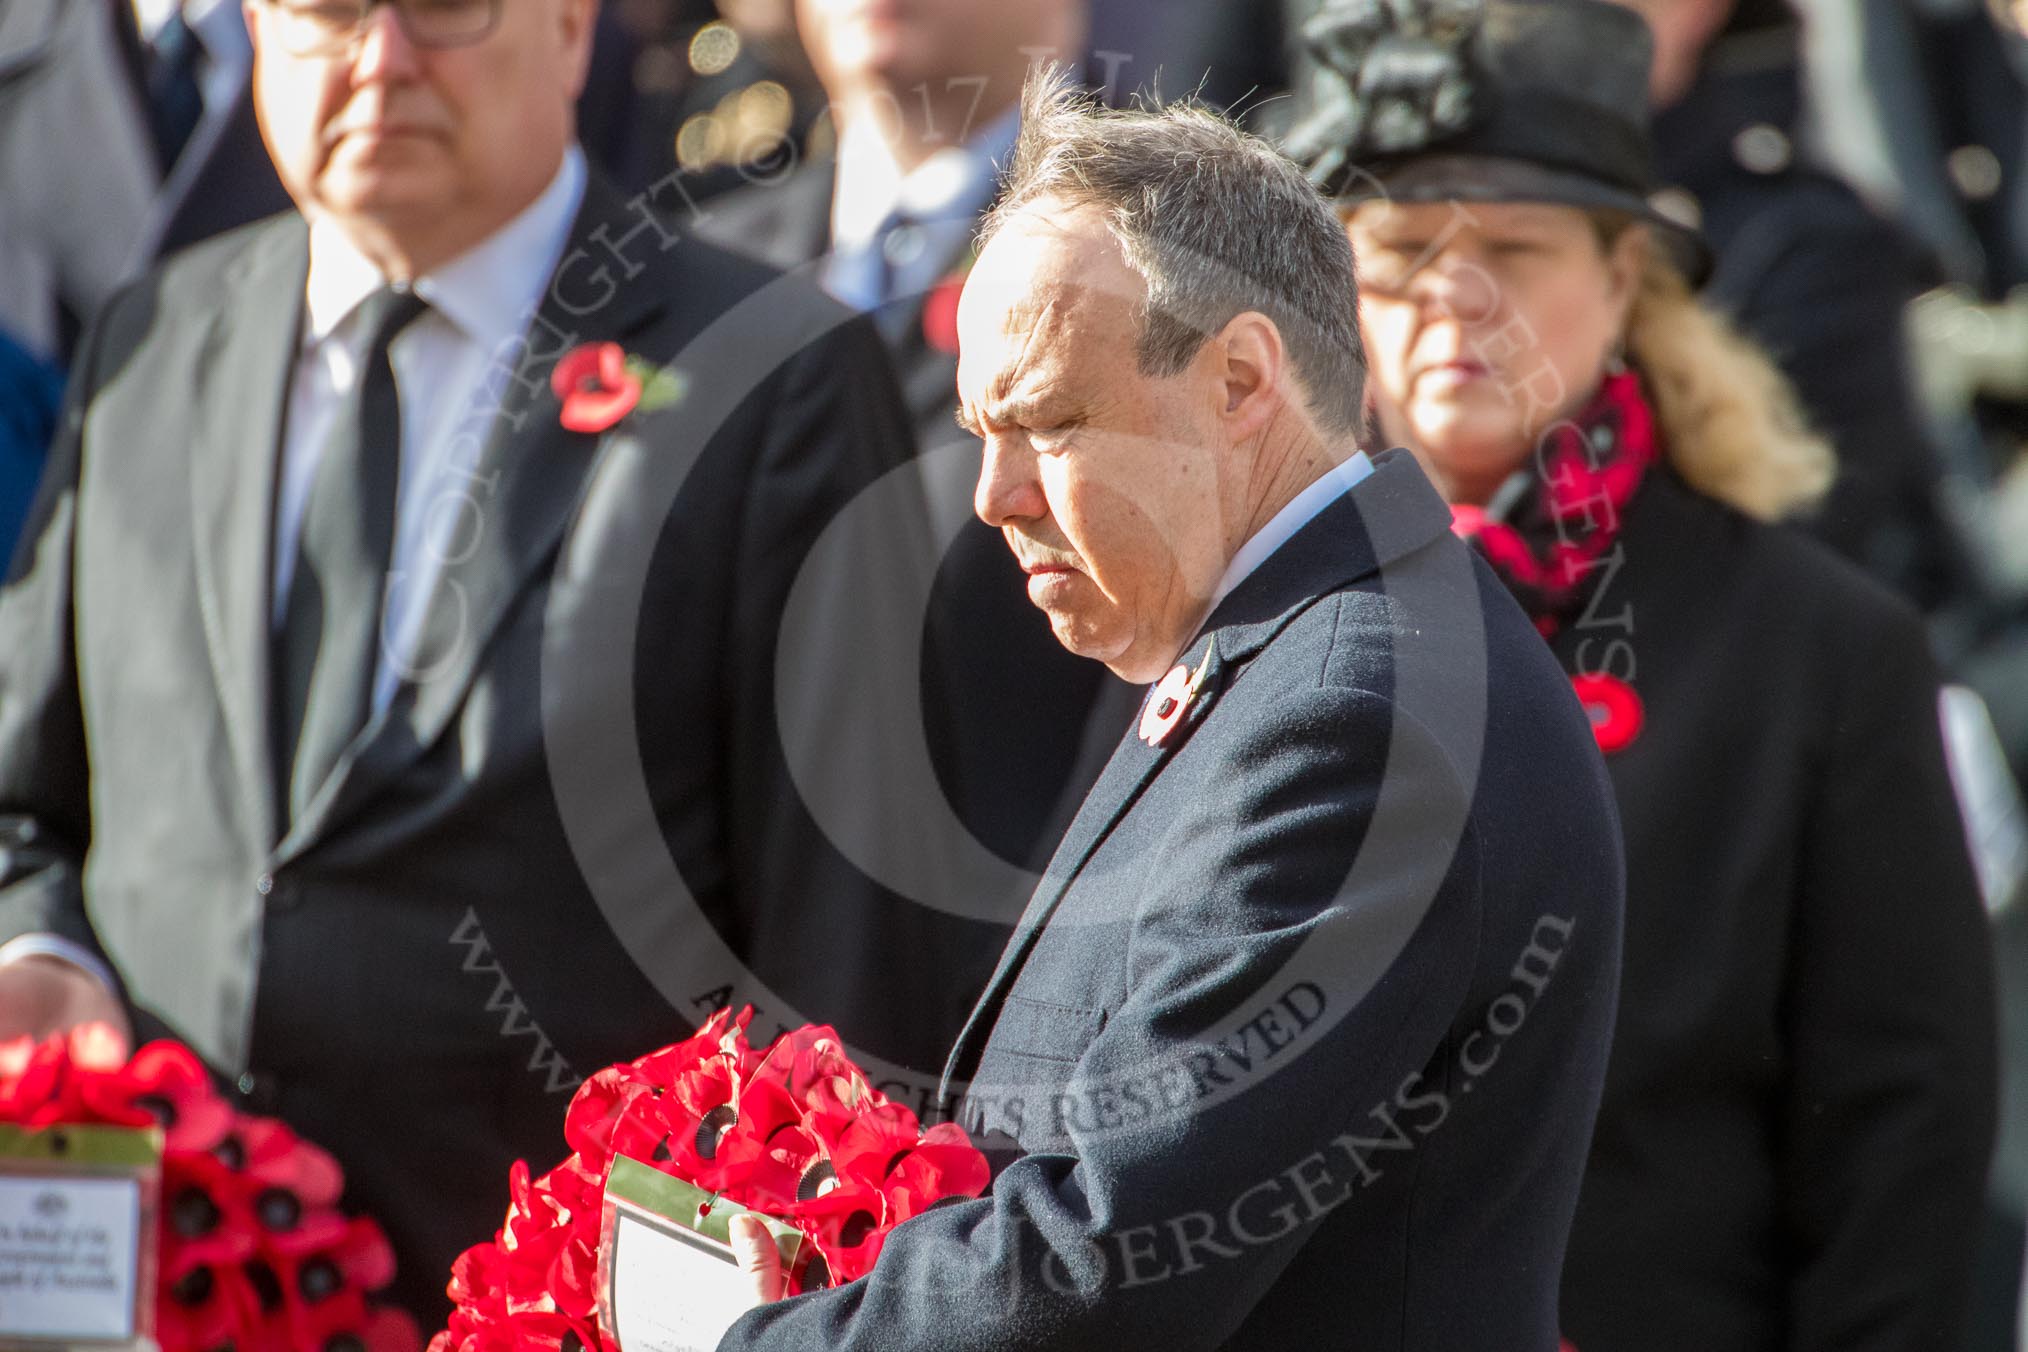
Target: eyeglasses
323	27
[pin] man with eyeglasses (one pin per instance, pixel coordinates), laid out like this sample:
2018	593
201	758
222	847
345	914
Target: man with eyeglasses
384	716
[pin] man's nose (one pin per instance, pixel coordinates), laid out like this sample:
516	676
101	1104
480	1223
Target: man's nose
1008	488
384	50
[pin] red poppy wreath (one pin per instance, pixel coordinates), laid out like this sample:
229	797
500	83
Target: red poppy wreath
790	1129
253	1253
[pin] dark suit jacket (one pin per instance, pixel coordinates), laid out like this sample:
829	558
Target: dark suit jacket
1301	1038
1792	1149
1019	700
490	897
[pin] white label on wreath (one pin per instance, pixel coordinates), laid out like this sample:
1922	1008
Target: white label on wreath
69	1255
673	1289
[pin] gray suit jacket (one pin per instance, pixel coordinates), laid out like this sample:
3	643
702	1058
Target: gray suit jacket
574	831
1301	1038
79	172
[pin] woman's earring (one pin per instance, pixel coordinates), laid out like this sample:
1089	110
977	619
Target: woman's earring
1616	360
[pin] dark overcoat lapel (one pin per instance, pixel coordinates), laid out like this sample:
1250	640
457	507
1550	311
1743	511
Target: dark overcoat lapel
1385	516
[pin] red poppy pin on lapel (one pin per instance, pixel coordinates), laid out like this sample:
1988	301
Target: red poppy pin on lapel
1615	711
1173	697
600	384
595	386
940	305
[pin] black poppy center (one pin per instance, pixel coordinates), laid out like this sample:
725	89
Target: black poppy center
814	1181
161	1109
319	1280
193	1214
714	1127
266	1285
278	1209
193	1288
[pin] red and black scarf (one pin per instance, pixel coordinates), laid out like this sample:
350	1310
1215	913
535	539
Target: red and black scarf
1547	543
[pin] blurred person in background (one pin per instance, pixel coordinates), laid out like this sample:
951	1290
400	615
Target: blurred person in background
30	393
924	97
128	132
319	518
1806	270
1793	1145
72	206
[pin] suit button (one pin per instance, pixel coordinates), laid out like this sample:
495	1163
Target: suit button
1976	172
281	893
259	1093
1762	149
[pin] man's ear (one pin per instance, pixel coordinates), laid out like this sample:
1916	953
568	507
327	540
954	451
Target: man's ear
577	24
1250	370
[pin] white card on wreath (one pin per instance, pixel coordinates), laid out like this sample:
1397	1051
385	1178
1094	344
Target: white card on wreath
668	1278
75	1206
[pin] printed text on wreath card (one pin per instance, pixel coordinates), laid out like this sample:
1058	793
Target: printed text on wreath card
68	1257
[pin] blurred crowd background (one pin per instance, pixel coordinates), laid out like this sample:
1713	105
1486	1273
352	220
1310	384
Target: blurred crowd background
1858	165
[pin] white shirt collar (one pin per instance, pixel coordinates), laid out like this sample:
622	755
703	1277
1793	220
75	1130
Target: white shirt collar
199	15
956	180
1302	509
488	291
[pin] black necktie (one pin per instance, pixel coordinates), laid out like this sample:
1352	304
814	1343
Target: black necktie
329	647
175	100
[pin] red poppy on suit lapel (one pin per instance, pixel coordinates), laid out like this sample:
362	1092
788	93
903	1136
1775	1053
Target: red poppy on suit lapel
940	313
1615	711
595	386
1172	700
940	305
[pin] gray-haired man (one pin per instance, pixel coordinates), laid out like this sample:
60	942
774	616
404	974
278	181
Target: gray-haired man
1300	1040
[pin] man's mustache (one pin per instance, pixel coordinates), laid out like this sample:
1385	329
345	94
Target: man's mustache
384	119
1034	555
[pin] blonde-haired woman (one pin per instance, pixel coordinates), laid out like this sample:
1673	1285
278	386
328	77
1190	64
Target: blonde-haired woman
1792	1146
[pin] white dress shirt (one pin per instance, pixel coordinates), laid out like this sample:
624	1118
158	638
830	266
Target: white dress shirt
1301	510
943	195
480	302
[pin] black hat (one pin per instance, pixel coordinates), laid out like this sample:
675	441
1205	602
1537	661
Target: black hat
1486	101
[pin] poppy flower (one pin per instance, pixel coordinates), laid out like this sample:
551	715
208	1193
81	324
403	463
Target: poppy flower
1166	707
251	1251
595	386
167	1081
1615	710
940	313
604	1120
205	1307
792	1129
278	1158
1172	698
